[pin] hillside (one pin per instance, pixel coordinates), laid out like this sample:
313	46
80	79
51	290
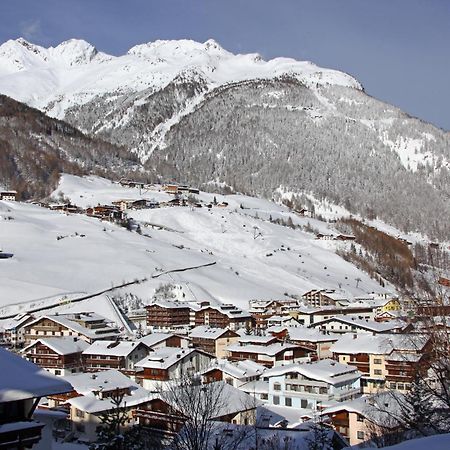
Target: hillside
35	149
58	255
195	112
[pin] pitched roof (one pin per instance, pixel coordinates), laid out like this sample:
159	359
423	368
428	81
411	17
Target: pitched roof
207	332
22	379
113	348
153	339
90	384
63	345
370	325
165	357
238	369
326	370
270	350
70	322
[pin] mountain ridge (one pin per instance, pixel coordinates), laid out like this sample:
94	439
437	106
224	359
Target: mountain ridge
196	112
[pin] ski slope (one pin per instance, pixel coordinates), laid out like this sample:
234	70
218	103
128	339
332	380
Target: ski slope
58	257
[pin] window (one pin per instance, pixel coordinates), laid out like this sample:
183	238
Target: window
393	385
360	434
360	418
277	387
400	386
288	401
276	400
264	396
377	372
303	403
57	372
377	361
79	413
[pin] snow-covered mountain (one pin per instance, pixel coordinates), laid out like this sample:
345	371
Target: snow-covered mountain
196	112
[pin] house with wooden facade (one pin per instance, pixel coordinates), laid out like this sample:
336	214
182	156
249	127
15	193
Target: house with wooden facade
88	326
271	355
163	365
234	373
386	361
166	416
119	355
93	394
213	340
58	355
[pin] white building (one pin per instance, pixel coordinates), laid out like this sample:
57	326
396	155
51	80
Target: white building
312	385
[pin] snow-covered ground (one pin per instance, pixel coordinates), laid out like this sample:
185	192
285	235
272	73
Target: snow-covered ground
58	257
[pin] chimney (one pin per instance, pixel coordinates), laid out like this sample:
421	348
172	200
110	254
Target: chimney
355	336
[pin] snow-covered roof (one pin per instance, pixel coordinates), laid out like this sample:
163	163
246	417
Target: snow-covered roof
71	322
63	345
207	332
21	379
111	348
14	323
89	385
165	357
238	369
153	339
269	350
326	370
370	325
256	387
308	335
256	339
380	344
231	400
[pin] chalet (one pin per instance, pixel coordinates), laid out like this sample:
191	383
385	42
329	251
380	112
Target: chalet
160	340
171	188
122	204
131	183
58	355
65	207
344	237
358	419
93	394
379	304
8	196
88	326
263	309
312	385
279	321
386	361
324	297
308	315
120	355
170	315
167	315
22	385
234	373
12	330
269	355
164	415
316	340
222	316
106	212
213	340
342	325
166	364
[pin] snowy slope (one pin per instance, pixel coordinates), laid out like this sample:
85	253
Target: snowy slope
95	255
44	266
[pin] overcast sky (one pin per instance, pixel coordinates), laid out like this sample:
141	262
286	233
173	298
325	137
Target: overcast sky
398	49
